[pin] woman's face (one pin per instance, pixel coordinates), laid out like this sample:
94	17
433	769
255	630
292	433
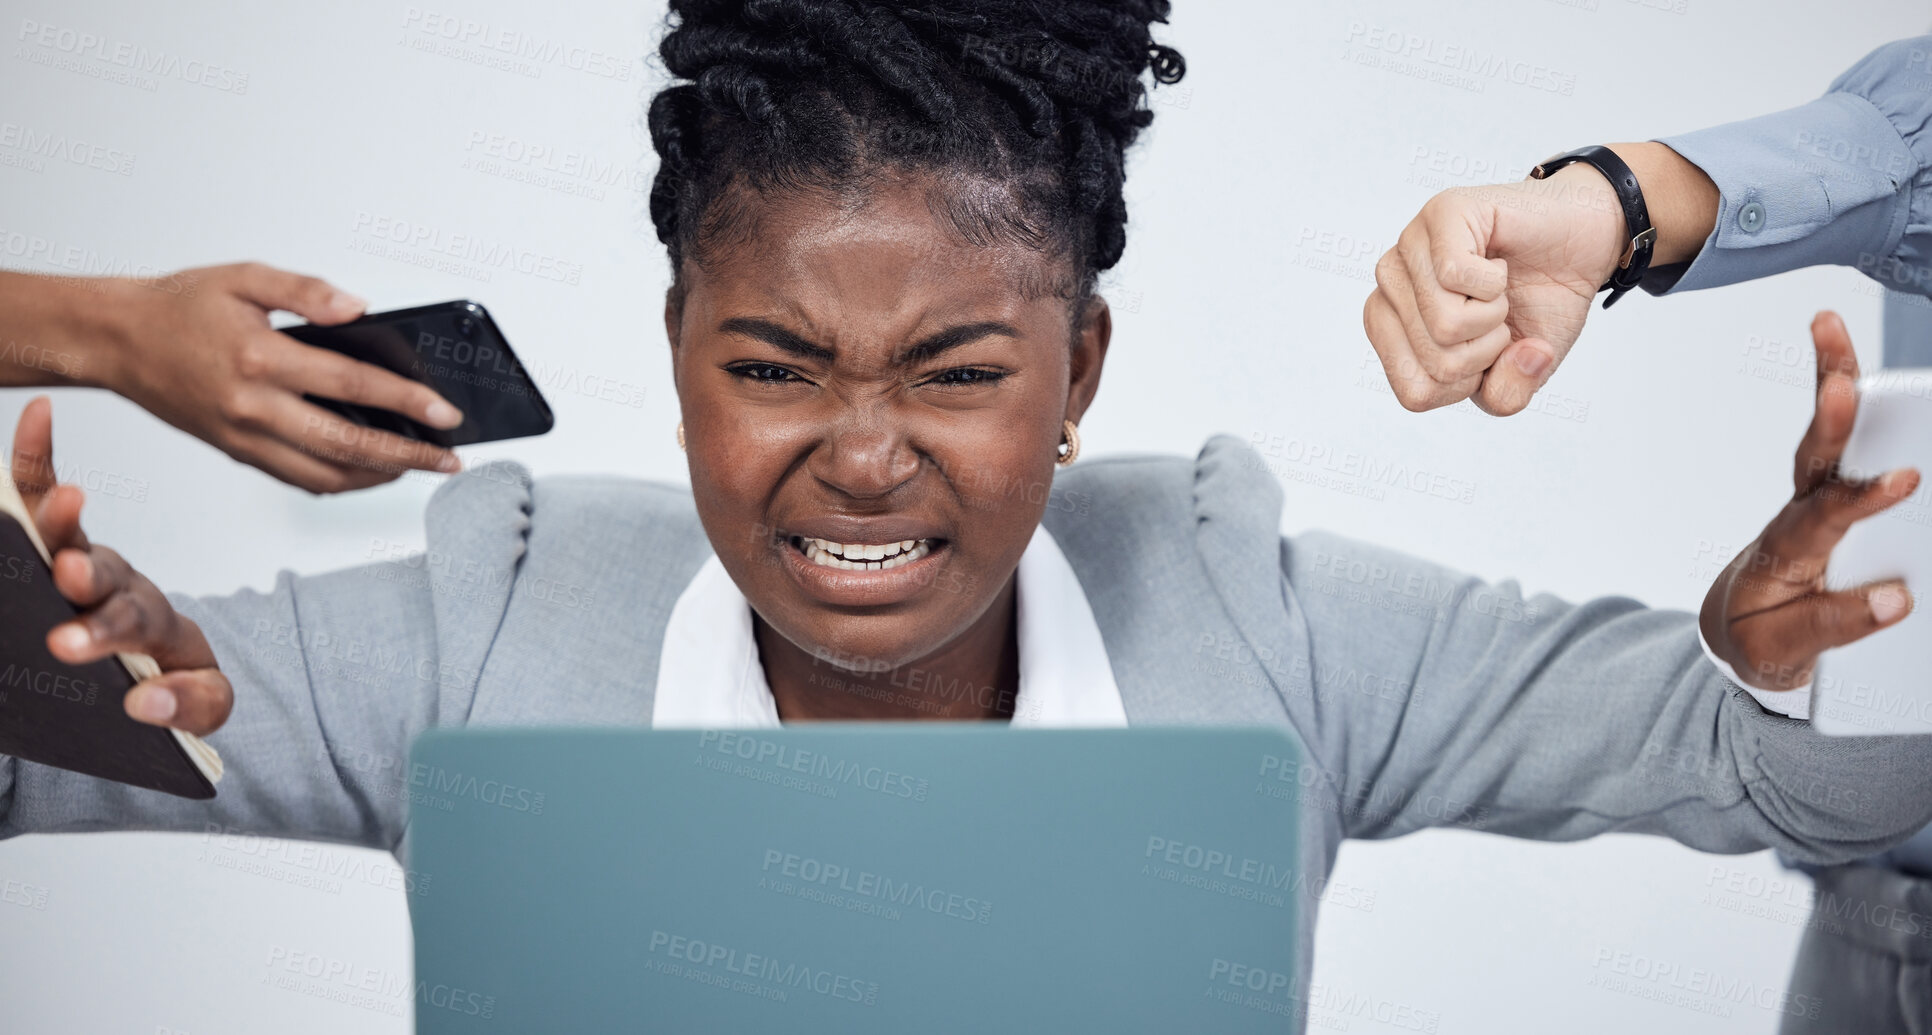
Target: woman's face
871	412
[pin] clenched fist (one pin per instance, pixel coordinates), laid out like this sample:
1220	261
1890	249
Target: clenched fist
1488	287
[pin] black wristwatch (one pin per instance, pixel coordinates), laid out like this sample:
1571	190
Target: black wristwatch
1635	261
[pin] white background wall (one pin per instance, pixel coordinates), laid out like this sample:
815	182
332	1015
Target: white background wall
1272	178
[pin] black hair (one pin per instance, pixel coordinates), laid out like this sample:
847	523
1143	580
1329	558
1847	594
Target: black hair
1039	97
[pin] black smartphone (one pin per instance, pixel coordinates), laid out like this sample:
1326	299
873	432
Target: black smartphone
453	347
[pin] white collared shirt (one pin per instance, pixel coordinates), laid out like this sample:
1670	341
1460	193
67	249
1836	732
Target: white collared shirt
709	676
1794	703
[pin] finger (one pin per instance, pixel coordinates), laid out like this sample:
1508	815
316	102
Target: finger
1457	363
302	470
332	375
191	693
310	298
337	440
1832	347
122	619
32	465
1835	408
1460	364
1448	317
1823	444
1784	643
194	701
1457	251
181	646
88	577
58	519
115	624
1413	387
133	617
1796	546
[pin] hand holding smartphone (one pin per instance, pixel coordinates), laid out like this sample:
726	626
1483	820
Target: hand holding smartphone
458	351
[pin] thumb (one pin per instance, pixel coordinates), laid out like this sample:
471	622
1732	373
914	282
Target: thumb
1513	379
311	298
1782	645
31	464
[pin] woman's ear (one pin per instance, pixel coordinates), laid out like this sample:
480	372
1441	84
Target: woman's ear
1090	340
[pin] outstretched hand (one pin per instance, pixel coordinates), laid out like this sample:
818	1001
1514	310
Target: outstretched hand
120	610
1770	613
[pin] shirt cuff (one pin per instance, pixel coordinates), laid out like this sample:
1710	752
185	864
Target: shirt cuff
1794	703
1823	183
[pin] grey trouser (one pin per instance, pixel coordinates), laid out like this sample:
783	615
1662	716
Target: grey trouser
1866	957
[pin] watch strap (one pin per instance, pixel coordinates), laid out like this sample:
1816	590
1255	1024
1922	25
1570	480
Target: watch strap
1641	237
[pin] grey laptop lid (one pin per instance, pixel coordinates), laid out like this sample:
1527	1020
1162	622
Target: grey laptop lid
856	877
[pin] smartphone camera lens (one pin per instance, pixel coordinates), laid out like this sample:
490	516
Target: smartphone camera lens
466	326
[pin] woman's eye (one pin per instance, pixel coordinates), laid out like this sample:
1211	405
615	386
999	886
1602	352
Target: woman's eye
768	373
959	377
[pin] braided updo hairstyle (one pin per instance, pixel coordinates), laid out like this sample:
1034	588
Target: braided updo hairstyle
1039	97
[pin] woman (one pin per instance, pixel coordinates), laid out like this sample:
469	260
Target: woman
885	228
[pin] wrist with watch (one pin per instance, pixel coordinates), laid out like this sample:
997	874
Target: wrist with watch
1641	237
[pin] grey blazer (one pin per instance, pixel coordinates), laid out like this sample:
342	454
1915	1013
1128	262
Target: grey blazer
1421	697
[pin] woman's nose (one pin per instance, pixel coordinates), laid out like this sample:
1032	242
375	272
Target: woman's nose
864	455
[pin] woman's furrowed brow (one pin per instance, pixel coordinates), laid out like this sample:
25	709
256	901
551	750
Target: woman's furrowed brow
921	350
934	344
772	334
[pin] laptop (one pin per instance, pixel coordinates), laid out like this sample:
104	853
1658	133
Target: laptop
856	878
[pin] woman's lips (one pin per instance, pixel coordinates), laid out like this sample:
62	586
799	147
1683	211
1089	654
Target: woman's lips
847	574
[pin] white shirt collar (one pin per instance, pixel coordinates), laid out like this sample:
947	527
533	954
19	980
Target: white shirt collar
709	676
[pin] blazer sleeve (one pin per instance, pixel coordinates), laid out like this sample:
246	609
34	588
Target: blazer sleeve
1462	703
334	675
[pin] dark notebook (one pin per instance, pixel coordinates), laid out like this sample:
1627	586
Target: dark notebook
71	716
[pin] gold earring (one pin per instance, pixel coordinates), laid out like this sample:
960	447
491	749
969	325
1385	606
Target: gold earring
1069	444
680	435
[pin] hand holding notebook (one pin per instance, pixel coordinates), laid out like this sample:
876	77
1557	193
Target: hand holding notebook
98	673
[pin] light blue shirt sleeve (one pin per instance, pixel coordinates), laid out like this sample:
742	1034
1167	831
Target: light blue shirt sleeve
1908	330
1844	180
